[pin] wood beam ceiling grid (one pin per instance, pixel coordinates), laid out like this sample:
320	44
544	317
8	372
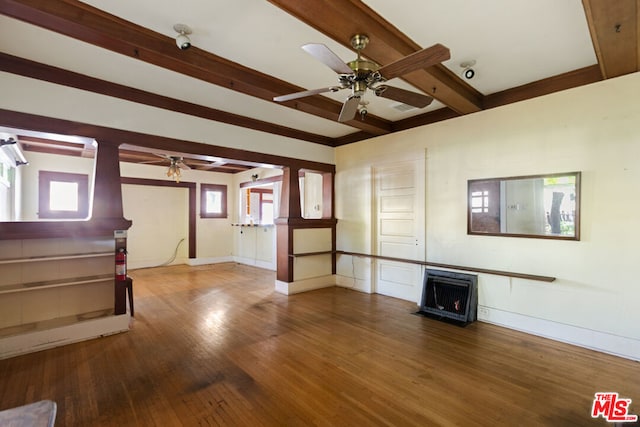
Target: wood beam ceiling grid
617	52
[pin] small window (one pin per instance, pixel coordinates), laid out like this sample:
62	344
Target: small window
257	205
480	201
63	195
213	201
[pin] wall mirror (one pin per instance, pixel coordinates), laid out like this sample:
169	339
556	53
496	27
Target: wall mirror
542	206
45	176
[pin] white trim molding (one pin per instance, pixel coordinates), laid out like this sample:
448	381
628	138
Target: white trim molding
55	337
305	285
267	265
204	261
361	285
604	342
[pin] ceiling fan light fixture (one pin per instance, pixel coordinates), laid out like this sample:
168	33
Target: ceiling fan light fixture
174	172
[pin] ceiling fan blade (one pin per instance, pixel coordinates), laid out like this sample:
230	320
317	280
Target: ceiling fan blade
325	55
349	108
414	99
183	165
304	93
424	58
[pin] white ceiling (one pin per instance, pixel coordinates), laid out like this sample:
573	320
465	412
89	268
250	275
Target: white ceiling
513	42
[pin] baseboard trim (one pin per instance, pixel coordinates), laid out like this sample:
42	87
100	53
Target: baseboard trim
616	345
290	288
212	260
603	342
348	282
255	263
55	337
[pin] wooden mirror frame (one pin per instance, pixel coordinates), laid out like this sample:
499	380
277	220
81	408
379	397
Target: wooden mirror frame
494	209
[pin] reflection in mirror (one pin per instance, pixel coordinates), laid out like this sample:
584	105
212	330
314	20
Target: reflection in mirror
257	204
311	194
545	206
45	176
259	199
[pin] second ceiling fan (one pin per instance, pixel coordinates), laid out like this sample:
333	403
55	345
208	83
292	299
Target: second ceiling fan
362	74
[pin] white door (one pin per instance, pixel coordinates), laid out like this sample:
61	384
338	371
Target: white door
399	228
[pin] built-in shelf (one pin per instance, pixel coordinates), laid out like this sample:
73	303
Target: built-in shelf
252	225
52	229
453	267
304	254
26	287
55	258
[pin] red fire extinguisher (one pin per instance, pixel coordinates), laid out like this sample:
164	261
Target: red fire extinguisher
121	264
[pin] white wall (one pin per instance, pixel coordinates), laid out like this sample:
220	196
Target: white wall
594	129
160	219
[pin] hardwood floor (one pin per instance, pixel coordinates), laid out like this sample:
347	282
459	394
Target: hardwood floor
215	345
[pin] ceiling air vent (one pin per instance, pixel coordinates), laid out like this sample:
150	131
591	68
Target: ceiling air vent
403	107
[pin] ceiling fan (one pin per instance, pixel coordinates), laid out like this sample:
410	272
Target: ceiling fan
362	74
175	164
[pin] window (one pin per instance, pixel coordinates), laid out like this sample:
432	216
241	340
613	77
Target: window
213	201
257	205
266	207
480	201
63	195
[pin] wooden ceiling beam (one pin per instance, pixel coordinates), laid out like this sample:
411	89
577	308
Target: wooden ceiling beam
615	33
130	140
575	78
37	70
84	22
341	19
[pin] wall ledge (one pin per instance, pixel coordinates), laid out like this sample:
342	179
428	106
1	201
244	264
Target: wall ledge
52	229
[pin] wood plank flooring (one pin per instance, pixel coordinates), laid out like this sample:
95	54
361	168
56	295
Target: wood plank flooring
215	345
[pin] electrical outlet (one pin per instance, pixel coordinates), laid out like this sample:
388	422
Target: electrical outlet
483	311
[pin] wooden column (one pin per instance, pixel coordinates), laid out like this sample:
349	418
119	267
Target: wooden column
291	219
290	212
107	189
290	198
107	204
328	187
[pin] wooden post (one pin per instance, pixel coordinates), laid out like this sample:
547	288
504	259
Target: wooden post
107	190
290	197
328	198
289	212
107	204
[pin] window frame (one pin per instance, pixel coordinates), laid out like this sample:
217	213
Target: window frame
44	195
483	197
261	192
204	189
